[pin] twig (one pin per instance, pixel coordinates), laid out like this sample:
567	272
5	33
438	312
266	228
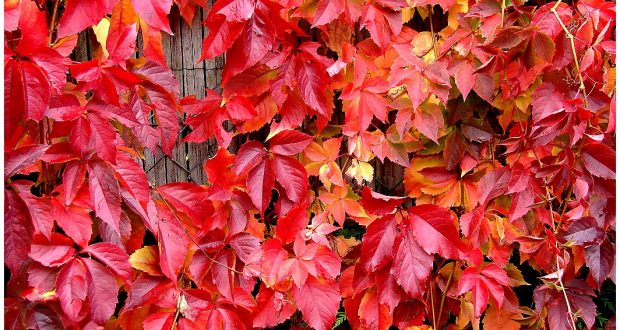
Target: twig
445	291
557	257
503	10
433	308
192	238
176	313
430	21
571	38
53	21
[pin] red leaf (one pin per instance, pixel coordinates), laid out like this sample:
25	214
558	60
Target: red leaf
233	10
244	245
260	182
379	204
292	176
611	126
377	243
249	156
579	295
18	231
18	159
79	15
382	23
29	92
222	35
167	117
327	11
32	24
600	259
412	265
546	101
583	231
360	111
409	313
121	42
159	320
104	193
131	176
476	227
64	107
273	308
488	281
373	314
327	262
74	220
429	121
312	81
54	252
40	209
599	160
294	221
152	44
318	300
539	51
112	256
173	243
189	198
154	12
521	204
390	294
289	142
73	179
254	42
71	288
434	229
103	136
464	78
493	184
102	291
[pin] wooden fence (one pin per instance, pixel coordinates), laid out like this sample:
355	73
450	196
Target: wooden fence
182	51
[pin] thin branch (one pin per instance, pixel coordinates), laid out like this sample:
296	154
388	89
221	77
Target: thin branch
571	38
445	291
557	257
433	308
53	21
430	21
196	243
503	11
192	238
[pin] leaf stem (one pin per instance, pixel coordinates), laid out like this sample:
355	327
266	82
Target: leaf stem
503	11
430	21
433	308
192	238
445	291
53	21
557	257
571	38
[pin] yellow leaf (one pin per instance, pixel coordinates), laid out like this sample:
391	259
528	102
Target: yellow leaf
461	6
344	245
330	173
101	33
515	278
360	171
610	81
422	43
146	259
48	294
407	14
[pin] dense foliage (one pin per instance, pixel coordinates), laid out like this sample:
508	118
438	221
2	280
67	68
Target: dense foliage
500	114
